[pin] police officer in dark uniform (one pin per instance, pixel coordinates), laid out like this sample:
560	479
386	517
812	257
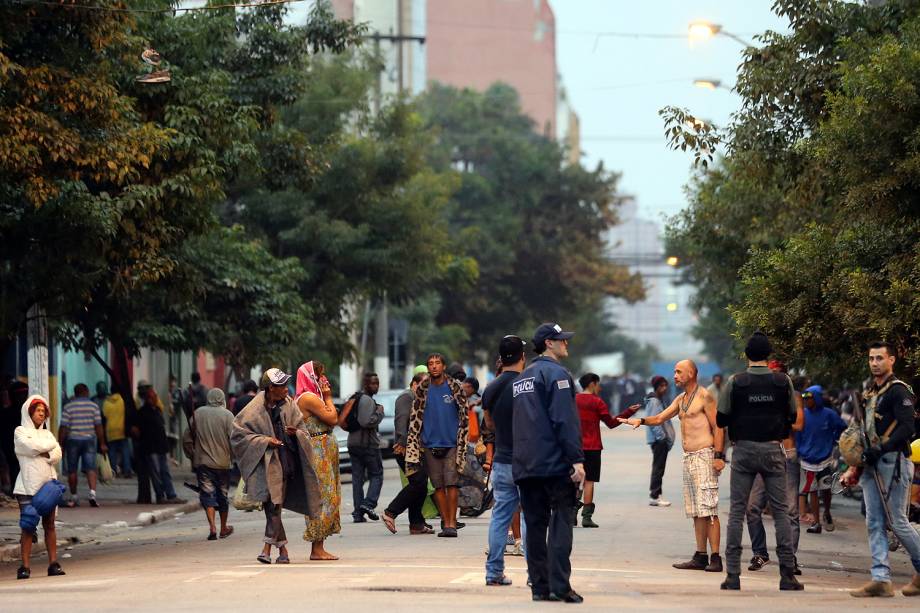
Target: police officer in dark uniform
758	408
548	463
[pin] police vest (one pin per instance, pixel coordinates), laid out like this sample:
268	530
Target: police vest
759	407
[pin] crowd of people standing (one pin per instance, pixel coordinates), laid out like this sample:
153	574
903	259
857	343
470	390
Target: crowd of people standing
542	451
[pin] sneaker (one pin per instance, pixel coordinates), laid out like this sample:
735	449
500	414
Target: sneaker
829	523
503	580
93	502
509	539
23	573
371	515
758	562
55	570
658	502
517	551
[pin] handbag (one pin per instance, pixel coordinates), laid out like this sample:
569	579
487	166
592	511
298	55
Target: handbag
242	501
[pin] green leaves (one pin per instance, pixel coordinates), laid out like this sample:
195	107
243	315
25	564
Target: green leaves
808	228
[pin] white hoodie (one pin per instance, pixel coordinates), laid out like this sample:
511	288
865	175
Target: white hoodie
30	442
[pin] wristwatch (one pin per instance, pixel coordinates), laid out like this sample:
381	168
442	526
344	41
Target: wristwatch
718	455
641	421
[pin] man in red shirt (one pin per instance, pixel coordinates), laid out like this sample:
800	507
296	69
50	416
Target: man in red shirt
593	411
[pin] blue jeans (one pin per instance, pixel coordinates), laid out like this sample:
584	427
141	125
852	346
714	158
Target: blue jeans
80	453
158	464
120	456
898	490
366	465
507	501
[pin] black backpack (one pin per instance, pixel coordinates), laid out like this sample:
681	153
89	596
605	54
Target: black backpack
351	420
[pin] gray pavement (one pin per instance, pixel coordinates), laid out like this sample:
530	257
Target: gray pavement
625	564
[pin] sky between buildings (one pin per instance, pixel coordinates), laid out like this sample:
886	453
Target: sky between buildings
618	84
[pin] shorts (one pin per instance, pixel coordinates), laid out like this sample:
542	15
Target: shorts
701	484
593	465
80	453
818	479
442	471
214	485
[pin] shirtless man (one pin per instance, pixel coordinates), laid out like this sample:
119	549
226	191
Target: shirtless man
704	459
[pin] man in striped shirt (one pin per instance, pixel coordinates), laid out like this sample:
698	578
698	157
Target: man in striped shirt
81	428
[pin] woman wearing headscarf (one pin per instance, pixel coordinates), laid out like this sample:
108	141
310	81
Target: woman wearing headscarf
272	447
314	399
38	452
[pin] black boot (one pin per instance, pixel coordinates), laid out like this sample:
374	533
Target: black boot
587	520
732	582
787	580
715	564
699	561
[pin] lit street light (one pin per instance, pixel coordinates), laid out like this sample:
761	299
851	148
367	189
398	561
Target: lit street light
710	84
704	30
672	260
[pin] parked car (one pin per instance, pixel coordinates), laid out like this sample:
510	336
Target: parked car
341	437
387	427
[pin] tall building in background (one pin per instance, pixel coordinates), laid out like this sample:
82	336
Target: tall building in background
404	60
474	43
664	319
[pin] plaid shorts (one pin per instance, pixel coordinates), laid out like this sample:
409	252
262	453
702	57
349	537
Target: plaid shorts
701	484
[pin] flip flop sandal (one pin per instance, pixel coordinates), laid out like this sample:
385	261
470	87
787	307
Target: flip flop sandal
229	531
212	536
390	523
264	558
282	560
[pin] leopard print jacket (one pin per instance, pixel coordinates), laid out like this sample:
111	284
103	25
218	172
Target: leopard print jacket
414	438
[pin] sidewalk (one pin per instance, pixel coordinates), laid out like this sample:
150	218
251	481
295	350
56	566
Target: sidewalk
116	512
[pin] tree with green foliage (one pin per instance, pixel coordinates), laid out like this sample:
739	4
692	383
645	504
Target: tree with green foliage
814	208
131	193
534	224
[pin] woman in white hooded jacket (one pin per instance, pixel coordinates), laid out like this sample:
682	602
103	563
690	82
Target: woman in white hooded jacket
38	452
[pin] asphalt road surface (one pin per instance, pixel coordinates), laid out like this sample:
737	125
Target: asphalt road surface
625	564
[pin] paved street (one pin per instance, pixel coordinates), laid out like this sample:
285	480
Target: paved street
626	564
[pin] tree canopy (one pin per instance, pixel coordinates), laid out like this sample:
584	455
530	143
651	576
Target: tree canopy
808	227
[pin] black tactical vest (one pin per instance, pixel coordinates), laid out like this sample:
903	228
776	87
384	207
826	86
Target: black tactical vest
759	407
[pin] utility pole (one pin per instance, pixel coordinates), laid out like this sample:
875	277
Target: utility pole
381	319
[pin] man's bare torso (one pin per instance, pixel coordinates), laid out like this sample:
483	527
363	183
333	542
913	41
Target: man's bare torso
695	429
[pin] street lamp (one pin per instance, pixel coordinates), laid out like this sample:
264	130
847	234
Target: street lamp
672	260
704	30
710	84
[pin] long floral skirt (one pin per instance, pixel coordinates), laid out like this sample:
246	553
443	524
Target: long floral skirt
326	455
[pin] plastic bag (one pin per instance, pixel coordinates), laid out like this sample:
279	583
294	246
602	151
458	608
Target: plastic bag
242	501
104	468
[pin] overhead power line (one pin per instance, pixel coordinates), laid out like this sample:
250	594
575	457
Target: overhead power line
116	9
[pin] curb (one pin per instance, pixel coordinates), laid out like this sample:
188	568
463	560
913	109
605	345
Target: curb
10	553
160	515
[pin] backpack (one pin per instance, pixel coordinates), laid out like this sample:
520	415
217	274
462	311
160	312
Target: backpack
351	418
853	443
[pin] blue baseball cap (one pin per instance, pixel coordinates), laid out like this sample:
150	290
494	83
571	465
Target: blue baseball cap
550	331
